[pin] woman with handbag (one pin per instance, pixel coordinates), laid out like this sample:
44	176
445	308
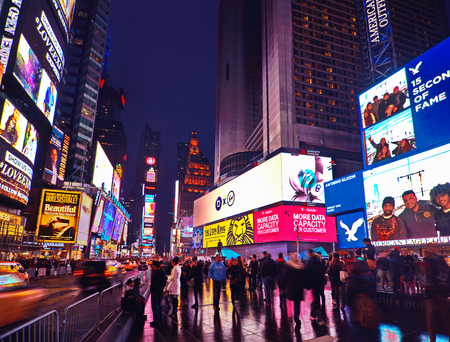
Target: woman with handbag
233	273
337	273
175	285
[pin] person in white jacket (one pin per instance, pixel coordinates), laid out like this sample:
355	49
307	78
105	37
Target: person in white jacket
175	285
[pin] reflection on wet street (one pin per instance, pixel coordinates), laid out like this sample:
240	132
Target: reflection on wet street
254	320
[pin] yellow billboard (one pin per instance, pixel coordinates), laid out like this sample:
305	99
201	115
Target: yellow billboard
58	216
236	231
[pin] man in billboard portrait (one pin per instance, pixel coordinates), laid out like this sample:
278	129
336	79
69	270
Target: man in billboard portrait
11	131
51	172
440	197
376	103
385	107
398	99
418	216
388	226
49	100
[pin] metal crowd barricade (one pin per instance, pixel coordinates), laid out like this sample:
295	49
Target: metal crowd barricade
62	270
42	272
81	318
109	301
44	328
69	269
53	272
31	273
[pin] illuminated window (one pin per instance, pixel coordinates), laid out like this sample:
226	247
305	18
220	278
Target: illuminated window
308	105
310	88
297	94
308	64
328	54
331	102
308	72
330	69
332	118
319	91
309	80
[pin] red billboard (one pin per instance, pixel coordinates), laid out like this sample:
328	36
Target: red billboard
280	224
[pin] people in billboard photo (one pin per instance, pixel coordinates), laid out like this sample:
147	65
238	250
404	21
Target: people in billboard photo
28	69
386	106
440	197
418	216
369	115
30	143
374	109
51	167
382	150
403	146
13	126
47	97
388	226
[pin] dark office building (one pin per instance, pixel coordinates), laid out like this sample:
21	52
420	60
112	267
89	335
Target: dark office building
77	105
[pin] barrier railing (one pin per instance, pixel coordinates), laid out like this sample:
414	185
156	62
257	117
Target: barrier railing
81	318
44	328
31	273
109	301
42	272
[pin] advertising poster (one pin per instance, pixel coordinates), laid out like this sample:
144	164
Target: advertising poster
386	99
116	185
149	208
350	185
58	216
118	224
103	170
197	238
390	138
237	231
401	207
53	157
106	225
303	177
84	219
187	227
98	215
13	129
351	230
281	223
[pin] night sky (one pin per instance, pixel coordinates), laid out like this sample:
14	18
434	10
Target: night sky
164	55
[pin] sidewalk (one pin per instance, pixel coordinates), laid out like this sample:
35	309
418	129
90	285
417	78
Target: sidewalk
254	321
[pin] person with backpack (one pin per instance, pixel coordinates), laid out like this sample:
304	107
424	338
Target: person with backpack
436	290
334	272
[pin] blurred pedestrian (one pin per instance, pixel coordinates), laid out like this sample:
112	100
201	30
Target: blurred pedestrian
175	285
281	269
185	277
316	274
196	279
385	273
253	272
260	262
217	273
409	273
294	278
396	268
334	271
157	283
269	274
233	274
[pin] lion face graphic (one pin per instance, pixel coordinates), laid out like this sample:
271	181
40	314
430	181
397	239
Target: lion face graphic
240	231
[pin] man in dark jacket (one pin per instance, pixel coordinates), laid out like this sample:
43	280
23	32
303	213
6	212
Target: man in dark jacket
253	270
316	273
269	274
197	276
260	277
294	277
396	267
158	282
281	268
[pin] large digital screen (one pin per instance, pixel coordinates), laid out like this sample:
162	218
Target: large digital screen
281	223
284	177
56	157
389	138
64	11
384	100
399	208
116	185
103	170
18	132
350	185
233	232
84	219
58	216
35	80
351	230
118	225
107	222
197	238
149	208
98	215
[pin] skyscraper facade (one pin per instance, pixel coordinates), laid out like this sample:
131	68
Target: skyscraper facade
238	110
78	105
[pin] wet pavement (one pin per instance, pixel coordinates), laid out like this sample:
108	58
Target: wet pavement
253	320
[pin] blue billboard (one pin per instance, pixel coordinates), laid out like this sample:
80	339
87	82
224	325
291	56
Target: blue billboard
351	230
344	194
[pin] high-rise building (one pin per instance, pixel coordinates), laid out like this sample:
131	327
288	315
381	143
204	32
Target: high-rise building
238	110
145	191
194	175
82	75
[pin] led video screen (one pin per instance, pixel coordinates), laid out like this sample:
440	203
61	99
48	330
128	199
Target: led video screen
118	224
197	238
107	222
386	99
236	231
399	207
56	157
18	132
103	170
84	219
351	230
389	138
98	216
350	185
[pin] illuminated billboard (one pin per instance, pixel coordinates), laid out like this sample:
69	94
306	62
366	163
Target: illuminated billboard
118	226
233	232
84	219
56	157
98	215
18	132
398	204
103	170
280	223
350	185
197	238
149	208
151	175
58	216
116	185
284	177
64	12
351	230
106	225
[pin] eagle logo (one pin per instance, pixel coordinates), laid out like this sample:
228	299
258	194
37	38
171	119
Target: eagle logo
416	69
352	231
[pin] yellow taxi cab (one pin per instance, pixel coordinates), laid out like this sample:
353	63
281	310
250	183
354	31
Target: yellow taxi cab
128	265
12	274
